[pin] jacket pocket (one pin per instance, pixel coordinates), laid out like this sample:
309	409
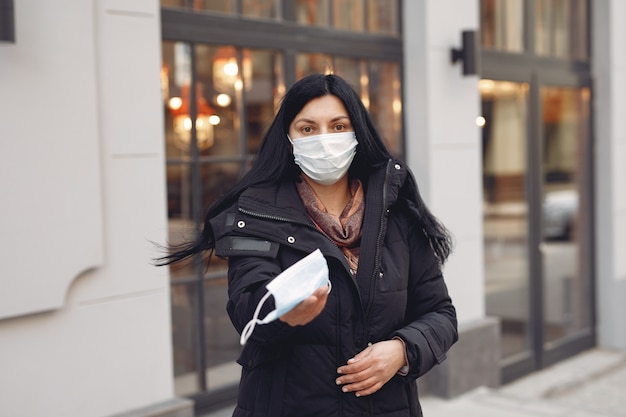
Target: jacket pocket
262	384
255	355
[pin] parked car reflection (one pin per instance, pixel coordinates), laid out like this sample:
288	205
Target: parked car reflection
560	209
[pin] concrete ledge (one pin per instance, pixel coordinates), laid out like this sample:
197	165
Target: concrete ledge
472	362
176	407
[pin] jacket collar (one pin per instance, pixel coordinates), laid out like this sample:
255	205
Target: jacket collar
283	200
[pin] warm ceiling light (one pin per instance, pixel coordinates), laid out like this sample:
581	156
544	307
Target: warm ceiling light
175	103
223	100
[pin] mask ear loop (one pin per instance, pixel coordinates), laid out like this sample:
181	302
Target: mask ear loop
249	328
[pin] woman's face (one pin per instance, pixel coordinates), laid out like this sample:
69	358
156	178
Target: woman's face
322	115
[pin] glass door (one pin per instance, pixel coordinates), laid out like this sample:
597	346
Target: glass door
506	213
566	237
537	220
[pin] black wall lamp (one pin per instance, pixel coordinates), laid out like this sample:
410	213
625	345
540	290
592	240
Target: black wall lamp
469	52
7	21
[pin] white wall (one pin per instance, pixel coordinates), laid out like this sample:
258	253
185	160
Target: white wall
82	180
443	140
49	116
609	72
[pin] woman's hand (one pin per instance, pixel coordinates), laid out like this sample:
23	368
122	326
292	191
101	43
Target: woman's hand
368	371
308	309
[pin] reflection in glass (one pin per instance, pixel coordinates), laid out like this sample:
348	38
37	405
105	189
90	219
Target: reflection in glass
185	338
348	15
385	103
502	25
561	28
223	6
175	82
222	340
505	213
174	3
307	64
382	16
567	286
219	76
265	83
354	71
312	12
261	8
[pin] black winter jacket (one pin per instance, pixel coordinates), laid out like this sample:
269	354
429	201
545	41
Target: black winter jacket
398	291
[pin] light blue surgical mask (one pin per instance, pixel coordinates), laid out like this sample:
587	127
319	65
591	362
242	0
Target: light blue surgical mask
290	288
325	158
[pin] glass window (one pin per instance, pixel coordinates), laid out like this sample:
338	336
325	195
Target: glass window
312	12
382	16
261	8
375	16
354	71
220	6
175	82
505	213
561	28
348	15
567	285
223	6
502	25
307	64
173	3
222	341
385	103
262	88
205	157
184	299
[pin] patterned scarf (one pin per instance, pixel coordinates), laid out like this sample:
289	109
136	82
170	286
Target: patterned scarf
344	231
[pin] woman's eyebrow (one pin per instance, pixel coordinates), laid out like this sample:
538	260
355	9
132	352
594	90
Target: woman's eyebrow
311	121
305	120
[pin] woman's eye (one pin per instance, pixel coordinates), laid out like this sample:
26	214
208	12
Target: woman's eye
306	129
340	127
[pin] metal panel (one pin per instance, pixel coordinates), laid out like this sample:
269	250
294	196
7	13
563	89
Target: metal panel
183	25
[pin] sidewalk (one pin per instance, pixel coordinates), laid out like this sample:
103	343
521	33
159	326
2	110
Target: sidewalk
591	384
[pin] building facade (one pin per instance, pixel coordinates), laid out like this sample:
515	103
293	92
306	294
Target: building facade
507	111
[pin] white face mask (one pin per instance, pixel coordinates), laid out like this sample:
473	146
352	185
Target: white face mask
290	288
325	158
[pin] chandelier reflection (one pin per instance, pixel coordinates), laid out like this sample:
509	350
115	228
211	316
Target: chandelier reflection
206	120
227	75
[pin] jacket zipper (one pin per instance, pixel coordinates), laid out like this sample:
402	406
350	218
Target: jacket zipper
376	273
276	218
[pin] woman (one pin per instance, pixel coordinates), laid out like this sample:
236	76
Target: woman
323	179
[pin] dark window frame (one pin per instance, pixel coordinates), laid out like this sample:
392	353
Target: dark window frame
7	21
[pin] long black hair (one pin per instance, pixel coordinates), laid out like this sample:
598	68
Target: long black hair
274	162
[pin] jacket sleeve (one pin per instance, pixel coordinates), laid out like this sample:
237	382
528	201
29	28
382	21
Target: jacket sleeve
247	277
431	327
